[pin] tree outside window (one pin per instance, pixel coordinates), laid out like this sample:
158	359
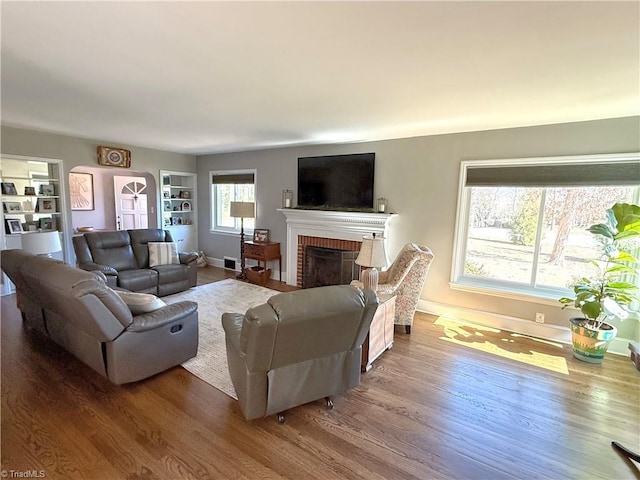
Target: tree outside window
522	223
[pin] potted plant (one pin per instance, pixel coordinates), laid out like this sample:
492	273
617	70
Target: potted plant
610	294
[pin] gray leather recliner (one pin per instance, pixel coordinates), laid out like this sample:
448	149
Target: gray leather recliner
298	347
77	310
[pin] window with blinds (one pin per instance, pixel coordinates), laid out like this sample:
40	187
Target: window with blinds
227	187
521	226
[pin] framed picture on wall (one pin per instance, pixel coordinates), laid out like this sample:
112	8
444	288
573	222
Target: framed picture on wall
81	191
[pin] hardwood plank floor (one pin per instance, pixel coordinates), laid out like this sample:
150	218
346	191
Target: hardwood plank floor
427	409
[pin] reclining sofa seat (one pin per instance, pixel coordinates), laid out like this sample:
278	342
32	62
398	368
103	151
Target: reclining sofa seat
79	312
298	347
123	256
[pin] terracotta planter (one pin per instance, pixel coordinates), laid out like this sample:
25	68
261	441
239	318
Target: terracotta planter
590	345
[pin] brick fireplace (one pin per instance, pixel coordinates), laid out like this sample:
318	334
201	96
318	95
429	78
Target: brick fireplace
328	229
336	251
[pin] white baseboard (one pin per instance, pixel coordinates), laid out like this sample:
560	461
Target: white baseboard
619	346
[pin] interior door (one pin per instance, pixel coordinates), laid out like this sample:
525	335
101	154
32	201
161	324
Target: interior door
131	202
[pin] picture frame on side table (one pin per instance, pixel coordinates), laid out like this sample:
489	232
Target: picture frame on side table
13	225
261	235
9	188
46	205
81	191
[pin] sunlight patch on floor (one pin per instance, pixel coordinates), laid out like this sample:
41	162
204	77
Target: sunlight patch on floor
501	343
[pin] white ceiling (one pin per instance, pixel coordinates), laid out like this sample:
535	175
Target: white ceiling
207	77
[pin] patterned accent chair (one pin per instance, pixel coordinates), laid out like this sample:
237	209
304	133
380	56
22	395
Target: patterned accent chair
405	279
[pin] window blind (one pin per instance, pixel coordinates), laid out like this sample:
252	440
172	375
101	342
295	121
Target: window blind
554	175
233	178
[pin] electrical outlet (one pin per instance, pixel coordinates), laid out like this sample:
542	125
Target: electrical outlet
540	317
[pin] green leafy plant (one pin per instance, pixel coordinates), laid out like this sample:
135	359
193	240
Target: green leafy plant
610	294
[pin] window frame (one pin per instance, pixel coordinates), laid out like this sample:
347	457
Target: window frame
213	198
504	289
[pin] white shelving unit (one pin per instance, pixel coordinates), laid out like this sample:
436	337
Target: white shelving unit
25	212
179	208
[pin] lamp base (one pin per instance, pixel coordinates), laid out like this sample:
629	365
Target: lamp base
370	278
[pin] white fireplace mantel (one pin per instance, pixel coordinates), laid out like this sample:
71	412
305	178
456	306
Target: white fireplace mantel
329	224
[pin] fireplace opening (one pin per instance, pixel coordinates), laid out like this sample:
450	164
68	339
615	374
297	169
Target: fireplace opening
328	266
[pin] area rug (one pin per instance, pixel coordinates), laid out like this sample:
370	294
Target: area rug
502	343
214	299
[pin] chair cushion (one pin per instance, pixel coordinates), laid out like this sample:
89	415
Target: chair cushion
139	280
140	303
163	253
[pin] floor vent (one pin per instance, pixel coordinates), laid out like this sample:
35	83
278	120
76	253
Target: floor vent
230	263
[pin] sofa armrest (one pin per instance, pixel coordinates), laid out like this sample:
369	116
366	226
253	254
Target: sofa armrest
162	316
187	257
232	325
92	267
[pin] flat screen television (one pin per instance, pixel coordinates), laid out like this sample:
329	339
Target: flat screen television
342	182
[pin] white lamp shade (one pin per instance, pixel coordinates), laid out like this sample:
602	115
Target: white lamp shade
372	253
41	243
242	209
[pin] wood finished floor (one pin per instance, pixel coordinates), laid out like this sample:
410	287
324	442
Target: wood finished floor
428	409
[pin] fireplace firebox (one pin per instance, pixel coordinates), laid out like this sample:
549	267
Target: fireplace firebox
328	266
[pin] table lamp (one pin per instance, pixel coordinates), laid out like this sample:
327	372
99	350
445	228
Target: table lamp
372	256
42	243
242	210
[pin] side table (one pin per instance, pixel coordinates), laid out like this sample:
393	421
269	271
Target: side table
380	336
264	252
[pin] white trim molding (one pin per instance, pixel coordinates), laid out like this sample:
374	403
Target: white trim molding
329	224
553	333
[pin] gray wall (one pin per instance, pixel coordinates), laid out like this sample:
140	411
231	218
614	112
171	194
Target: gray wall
419	176
81	152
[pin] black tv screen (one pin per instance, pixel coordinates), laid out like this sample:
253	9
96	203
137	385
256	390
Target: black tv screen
336	181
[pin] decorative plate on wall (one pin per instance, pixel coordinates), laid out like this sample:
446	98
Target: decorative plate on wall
114	157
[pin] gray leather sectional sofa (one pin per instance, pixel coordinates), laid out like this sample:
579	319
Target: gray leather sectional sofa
77	310
123	257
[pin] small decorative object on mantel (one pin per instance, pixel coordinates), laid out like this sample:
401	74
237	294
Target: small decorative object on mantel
261	235
287	199
381	205
114	157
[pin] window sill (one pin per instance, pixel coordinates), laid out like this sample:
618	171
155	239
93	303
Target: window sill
248	234
511	292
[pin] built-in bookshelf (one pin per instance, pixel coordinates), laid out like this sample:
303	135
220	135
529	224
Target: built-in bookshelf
32	202
178	207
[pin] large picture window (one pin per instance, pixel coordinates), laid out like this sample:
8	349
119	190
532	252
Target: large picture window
227	187
522	223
